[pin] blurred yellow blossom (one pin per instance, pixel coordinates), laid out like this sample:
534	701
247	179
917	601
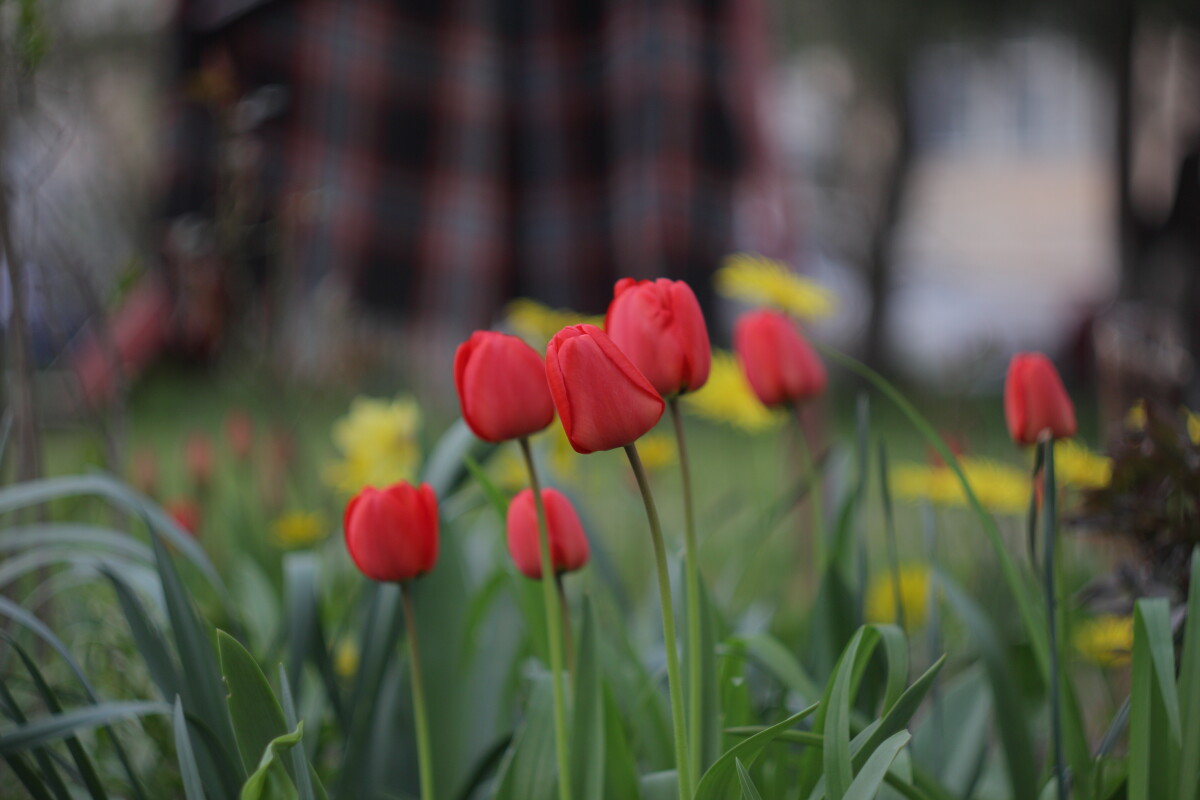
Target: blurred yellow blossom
345	658
1077	466
562	457
1135	418
657	450
879	605
536	323
378	444
508	470
1193	425
1106	640
299	529
1000	487
764	281
727	397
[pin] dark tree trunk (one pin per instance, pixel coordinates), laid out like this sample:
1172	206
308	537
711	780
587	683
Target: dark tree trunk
880	256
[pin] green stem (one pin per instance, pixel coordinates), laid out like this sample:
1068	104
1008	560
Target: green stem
682	762
553	629
1050	533
568	638
814	494
691	577
421	718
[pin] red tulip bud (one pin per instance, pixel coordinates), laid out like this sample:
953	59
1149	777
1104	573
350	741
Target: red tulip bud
186	513
392	533
568	543
603	400
502	388
198	459
779	364
658	324
1035	401
239	433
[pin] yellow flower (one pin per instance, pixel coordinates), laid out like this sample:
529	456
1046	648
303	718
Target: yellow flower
378	444
536	323
1106	640
563	458
299	529
763	281
1193	425
1000	487
1079	467
345	658
1135	418
508	471
727	397
880	603
657	451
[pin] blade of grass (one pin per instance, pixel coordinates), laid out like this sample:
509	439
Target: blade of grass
749	790
870	778
1025	601
1189	690
193	789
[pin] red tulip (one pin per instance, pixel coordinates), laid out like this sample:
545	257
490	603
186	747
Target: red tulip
392	533
502	388
1035	401
198	459
658	324
779	364
568	544
603	400
239	433
186	513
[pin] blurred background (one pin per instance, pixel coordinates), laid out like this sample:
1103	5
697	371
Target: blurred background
220	198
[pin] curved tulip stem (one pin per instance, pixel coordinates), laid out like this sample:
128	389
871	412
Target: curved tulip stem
554	629
814	495
682	761
420	717
568	637
691	577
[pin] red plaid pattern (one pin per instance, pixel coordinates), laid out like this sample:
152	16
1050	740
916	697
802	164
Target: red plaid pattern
450	155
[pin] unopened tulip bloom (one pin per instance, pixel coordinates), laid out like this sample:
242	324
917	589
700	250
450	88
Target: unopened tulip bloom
658	324
779	364
604	401
502	389
568	543
186	514
1035	401
239	434
392	533
199	459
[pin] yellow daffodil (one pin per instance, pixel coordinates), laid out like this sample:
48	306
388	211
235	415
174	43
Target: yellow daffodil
763	281
536	323
1193	425
879	606
345	658
1000	487
657	451
1106	640
299	529
378	444
728	398
1135	418
1078	467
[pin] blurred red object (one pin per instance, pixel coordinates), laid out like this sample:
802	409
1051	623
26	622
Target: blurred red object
143	470
239	433
186	513
199	459
137	334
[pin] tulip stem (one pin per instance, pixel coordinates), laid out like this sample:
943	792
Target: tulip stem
814	495
554	628
420	717
1050	534
682	762
568	637
691	577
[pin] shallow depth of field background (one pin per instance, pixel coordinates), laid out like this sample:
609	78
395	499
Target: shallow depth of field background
966	181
